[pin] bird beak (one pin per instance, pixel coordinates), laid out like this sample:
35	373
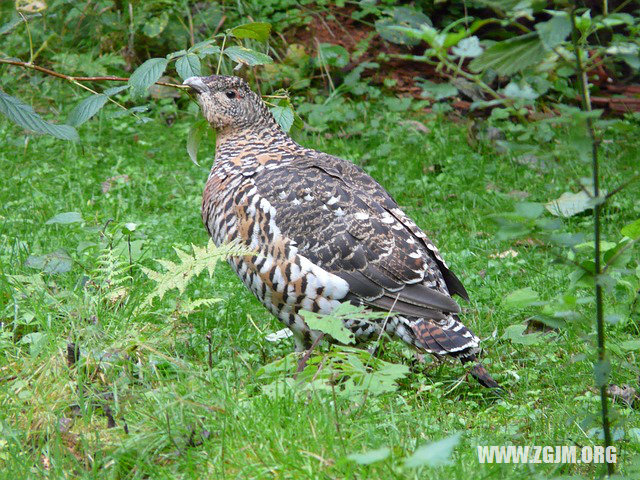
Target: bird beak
196	84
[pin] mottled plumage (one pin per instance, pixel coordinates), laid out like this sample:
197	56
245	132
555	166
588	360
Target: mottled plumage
324	232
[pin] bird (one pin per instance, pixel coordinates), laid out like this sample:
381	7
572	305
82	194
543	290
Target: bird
321	231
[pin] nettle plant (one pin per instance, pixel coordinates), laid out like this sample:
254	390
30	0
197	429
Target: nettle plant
537	59
227	52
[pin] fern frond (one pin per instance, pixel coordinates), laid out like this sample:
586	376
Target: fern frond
178	275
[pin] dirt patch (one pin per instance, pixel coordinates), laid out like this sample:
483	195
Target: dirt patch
361	40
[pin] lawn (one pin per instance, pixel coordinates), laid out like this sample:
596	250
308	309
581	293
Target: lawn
94	383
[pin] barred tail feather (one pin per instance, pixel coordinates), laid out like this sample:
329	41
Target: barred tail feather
451	337
445	337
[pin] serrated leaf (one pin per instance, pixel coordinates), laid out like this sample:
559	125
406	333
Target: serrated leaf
402	17
632	230
372	456
10	25
246	56
197	130
188	66
438	91
257	30
333	55
24	116
202	49
54	263
434	454
553	32
521	298
65	218
570	204
86	109
332	326
146	75
511	56
115	90
601	371
284	116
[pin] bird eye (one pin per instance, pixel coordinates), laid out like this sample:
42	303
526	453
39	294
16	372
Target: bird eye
231	94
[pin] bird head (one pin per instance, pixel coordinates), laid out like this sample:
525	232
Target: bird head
228	102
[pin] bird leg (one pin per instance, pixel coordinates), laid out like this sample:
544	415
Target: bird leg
302	363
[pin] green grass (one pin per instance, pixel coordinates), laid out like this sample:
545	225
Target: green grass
178	417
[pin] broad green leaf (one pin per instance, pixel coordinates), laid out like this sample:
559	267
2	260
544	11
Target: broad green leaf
196	132
155	25
372	456
188	66
434	454
521	298
258	31
36	341
406	18
332	326
511	56
177	54
632	230
468	47
86	109
438	91
570	204
65	218
246	56
202	49
529	209
516	334
553	32
10	25
601	371
55	262
284	116
24	116
333	55
146	75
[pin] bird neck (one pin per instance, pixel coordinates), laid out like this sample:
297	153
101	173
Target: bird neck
259	136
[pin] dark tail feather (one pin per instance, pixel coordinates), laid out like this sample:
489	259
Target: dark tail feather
482	376
480	373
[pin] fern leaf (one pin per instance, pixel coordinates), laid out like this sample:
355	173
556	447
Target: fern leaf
177	275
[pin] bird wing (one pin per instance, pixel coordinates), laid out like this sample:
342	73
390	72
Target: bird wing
342	220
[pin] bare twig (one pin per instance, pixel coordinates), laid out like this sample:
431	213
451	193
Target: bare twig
70	78
305	358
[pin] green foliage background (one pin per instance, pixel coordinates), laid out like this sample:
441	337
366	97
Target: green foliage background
110	368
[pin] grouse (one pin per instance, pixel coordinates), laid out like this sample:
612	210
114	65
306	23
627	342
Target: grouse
323	232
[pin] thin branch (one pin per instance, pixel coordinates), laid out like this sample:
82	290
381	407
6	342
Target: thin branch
305	358
622	186
70	78
26	24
